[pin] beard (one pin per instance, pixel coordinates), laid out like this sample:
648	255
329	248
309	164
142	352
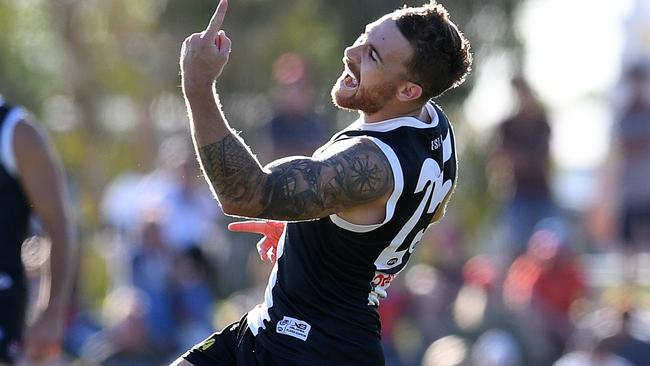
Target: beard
366	100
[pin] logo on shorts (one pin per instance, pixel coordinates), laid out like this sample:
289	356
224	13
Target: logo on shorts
293	327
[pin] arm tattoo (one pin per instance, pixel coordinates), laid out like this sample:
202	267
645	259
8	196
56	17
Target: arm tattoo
296	189
231	168
305	188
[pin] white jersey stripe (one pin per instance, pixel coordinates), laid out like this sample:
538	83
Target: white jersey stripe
446	148
391	124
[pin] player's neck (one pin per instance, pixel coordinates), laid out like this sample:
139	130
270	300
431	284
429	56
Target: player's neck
390	112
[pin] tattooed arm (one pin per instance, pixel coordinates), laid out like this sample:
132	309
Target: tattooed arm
344	176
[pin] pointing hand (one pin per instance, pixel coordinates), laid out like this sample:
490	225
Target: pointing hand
204	55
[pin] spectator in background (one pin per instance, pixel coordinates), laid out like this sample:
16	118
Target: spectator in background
521	163
190	213
633	144
194	297
541	286
294	129
151	268
480	314
125	339
31	181
185	213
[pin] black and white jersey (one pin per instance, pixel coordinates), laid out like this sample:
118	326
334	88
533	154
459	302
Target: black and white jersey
14	207
320	305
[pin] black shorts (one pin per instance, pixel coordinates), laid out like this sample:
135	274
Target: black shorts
235	345
13	302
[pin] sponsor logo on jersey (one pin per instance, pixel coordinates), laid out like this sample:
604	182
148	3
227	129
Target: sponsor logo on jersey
436	143
293	327
379	284
382	279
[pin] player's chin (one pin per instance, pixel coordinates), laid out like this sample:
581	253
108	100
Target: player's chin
343	100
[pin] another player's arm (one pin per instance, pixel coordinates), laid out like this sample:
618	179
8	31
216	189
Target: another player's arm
344	176
42	179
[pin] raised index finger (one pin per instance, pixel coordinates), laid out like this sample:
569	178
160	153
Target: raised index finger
217	20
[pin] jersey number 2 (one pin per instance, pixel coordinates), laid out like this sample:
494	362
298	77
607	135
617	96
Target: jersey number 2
431	179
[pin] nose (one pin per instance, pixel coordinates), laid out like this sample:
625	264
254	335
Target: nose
353	54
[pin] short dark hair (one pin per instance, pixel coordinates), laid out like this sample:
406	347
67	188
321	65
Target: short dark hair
441	56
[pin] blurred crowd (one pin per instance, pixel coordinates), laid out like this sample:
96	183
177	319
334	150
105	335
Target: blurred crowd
542	285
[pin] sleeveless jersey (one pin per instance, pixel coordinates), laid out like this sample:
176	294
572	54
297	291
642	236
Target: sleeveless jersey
320	305
14	206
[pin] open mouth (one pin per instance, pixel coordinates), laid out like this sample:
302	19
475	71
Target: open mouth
350	80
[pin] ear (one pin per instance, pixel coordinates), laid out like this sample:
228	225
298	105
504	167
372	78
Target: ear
408	92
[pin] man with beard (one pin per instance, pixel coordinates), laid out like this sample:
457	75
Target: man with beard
356	209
